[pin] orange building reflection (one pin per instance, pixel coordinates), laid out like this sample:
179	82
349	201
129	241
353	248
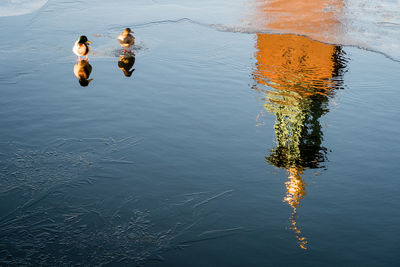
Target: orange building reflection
318	19
297	76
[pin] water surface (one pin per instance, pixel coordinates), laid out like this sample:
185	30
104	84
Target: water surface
229	144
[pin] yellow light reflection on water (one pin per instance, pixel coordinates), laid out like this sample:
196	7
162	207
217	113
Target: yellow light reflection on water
295	191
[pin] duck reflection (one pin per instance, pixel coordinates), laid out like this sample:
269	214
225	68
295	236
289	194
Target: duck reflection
297	76
82	71
126	62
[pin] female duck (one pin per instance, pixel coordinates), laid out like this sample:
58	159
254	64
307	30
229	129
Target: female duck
126	39
81	47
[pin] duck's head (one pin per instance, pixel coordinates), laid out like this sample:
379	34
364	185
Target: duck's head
127	31
128	73
84	82
83	40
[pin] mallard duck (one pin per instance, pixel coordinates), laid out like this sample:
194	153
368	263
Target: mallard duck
125	63
82	71
81	47
126	39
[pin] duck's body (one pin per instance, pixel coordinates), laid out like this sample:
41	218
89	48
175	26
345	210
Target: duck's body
80	50
81	47
126	39
125	63
82	71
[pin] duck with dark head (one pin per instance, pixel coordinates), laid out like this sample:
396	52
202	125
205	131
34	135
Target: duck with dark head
81	47
82	71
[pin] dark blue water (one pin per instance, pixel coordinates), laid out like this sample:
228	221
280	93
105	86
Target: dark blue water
190	162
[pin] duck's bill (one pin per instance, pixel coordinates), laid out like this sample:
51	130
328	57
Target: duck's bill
89	42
